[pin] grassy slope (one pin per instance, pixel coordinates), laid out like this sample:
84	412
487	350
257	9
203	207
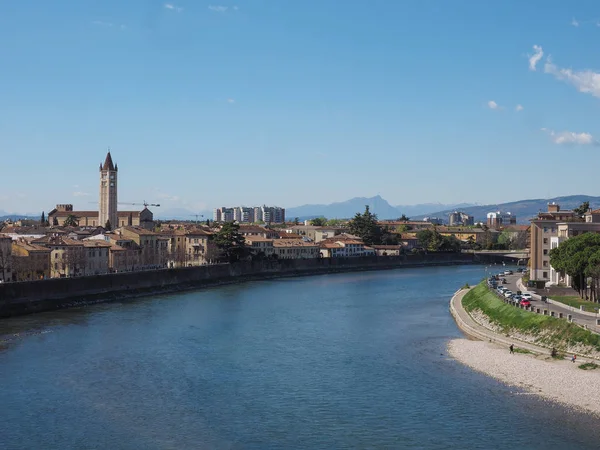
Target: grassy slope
576	302
551	331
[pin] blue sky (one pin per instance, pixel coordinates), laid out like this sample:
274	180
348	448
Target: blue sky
217	103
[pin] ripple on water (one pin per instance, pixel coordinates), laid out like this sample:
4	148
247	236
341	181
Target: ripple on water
338	361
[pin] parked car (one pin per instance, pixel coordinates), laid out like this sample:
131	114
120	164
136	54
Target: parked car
526	296
508	272
525	302
508	293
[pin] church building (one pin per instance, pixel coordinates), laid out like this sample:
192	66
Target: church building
108	201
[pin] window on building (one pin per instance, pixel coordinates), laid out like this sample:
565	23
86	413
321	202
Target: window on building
545	263
545	240
545	229
544	274
545	251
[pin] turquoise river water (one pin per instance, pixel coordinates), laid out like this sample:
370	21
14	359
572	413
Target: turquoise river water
326	362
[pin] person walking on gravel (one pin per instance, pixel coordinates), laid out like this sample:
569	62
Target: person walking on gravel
512	349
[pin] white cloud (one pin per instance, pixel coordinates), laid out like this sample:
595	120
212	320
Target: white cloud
570	137
586	81
574	23
219	8
173	7
519	108
493	105
230	100
81	194
538	53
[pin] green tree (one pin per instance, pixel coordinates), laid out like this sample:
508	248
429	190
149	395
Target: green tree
43	219
403	228
71	221
319	221
579	257
296	221
230	241
403	218
471	242
582	209
430	239
449	244
335	222
108	226
505	239
366	227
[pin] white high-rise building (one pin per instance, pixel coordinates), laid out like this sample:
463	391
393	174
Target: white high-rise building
108	193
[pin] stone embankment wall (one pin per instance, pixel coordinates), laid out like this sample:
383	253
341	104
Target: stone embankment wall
47	295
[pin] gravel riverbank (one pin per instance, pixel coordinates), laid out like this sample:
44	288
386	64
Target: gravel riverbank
557	380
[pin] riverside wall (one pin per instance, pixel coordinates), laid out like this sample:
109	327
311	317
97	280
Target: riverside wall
47	295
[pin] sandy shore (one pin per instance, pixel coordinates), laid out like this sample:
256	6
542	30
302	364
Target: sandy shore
561	381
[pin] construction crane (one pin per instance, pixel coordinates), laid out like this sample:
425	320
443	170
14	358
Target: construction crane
146	204
196	216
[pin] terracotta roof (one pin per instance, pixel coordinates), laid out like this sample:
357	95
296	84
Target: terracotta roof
293	243
386	247
95	243
3	236
257	239
140	231
30	247
594	211
284	235
108	163
57	240
324	244
254	229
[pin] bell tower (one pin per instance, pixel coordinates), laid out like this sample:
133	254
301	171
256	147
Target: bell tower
108	193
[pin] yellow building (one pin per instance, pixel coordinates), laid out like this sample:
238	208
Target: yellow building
30	261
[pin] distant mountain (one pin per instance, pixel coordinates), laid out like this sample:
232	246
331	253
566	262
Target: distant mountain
523	209
344	210
428	208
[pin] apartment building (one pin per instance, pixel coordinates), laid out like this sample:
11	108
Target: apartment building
97	257
315	233
259	244
30	261
344	246
543	228
67	256
243	214
154	248
295	249
498	219
223	214
460	218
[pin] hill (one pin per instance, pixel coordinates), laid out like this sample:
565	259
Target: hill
523	209
344	210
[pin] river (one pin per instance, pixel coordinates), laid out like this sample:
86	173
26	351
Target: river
326	362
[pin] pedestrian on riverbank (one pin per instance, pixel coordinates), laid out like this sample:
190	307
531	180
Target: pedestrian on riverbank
512	349
573	358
